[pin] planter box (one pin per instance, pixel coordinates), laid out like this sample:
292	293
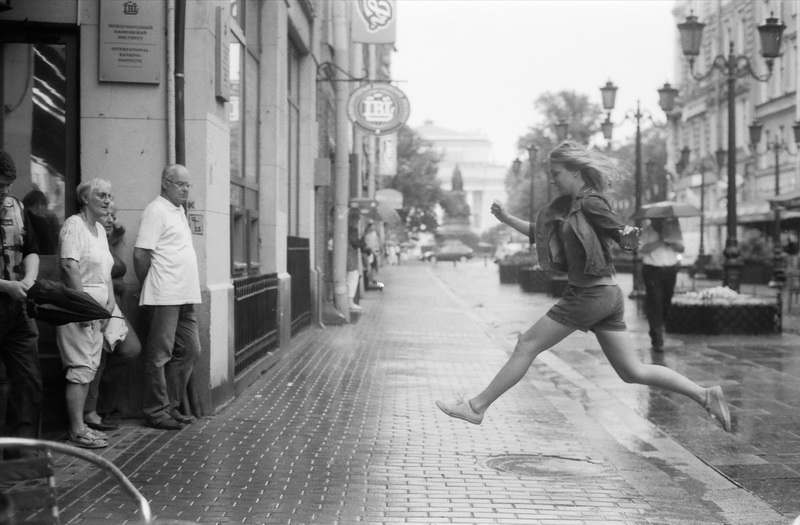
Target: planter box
756	274
508	273
713	319
533	280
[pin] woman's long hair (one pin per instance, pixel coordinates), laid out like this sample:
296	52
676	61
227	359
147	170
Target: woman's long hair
597	170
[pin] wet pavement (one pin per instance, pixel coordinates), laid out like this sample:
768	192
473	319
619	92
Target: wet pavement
343	428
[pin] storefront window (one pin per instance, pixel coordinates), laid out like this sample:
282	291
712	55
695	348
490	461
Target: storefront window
37	130
243	120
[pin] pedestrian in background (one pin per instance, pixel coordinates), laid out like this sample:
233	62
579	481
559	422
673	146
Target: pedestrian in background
19	268
572	234
85	262
662	244
166	264
355	243
43	221
121	345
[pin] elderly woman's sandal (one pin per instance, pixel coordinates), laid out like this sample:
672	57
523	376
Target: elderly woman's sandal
86	439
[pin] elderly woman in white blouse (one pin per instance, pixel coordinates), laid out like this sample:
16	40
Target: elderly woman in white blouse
86	263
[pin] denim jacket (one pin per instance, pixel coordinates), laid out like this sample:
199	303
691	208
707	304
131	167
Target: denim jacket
594	223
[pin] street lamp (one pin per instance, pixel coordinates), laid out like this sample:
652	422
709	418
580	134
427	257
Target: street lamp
562	128
532	151
720	155
733	66
609	94
777	145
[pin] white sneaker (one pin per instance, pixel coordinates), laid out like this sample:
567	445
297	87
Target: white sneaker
355	308
460	409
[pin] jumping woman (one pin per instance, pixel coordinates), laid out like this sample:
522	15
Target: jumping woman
573	234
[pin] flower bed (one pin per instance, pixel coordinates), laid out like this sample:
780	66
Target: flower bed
533	280
720	310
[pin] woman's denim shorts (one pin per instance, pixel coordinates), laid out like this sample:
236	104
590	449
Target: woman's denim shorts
596	308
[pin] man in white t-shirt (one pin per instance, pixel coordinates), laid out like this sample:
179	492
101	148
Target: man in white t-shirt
165	263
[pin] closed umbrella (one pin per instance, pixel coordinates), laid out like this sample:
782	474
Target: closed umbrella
665	210
54	303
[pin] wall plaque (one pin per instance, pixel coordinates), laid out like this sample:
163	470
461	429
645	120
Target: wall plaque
131	41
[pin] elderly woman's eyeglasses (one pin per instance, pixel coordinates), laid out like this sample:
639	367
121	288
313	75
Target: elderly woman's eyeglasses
180	185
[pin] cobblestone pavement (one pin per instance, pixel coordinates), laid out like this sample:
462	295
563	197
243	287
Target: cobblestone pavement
343	429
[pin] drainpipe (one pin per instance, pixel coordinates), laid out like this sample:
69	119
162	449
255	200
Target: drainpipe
180	35
170	81
341	179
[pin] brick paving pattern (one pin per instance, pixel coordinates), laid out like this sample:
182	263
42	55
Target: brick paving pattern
343	430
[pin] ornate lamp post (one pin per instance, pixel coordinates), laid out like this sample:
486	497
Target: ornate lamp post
532	151
609	95
777	145
733	66
720	155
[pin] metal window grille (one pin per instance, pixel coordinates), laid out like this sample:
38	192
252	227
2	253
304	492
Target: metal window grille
255	319
298	262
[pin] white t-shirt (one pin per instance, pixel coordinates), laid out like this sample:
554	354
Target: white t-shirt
173	277
662	255
76	242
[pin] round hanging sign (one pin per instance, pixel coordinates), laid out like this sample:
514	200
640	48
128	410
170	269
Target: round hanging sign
378	109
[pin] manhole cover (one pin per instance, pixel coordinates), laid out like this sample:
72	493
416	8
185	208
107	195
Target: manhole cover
543	466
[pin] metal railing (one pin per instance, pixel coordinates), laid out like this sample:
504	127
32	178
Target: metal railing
298	263
255	314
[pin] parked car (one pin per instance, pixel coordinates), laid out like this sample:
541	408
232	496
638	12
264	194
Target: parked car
453	250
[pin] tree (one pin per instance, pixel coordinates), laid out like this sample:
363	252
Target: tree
583	118
417	165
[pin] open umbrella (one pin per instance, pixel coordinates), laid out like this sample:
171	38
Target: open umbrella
376	210
54	303
665	210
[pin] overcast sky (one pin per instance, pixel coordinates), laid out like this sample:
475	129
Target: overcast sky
478	65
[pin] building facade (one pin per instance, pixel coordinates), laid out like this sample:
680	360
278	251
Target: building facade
235	90
700	121
471	153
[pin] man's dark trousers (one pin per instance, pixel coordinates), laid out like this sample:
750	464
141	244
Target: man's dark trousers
18	351
659	283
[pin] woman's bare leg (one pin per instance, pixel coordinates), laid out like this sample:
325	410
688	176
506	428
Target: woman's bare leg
542	335
621	353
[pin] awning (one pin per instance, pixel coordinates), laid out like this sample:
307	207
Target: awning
787	201
749	213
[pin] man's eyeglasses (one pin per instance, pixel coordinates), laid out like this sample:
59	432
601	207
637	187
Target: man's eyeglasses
180	185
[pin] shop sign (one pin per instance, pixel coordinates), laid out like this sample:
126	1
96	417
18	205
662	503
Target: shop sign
378	109
374	21
387	155
131	41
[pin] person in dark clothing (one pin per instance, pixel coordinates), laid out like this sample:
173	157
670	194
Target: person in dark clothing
572	235
662	243
43	221
19	267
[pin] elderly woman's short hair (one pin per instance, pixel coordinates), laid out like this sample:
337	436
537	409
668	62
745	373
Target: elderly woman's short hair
86	188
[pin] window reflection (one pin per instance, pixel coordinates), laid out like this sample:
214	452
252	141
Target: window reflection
34	132
234	107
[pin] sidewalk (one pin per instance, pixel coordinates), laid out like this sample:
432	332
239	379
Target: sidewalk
343	430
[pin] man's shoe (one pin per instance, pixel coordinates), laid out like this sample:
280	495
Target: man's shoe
460	409
355	308
717	407
165	424
181	418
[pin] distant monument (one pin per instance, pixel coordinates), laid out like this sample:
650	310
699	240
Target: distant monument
456	224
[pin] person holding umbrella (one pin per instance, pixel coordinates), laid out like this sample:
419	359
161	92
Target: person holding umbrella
86	262
662	244
19	267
